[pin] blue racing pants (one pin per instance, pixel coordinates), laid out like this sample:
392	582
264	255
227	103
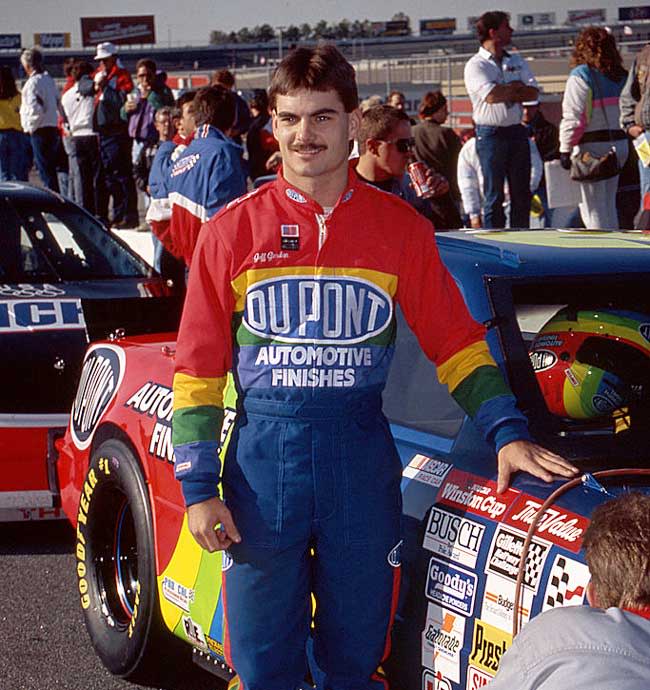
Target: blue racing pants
315	493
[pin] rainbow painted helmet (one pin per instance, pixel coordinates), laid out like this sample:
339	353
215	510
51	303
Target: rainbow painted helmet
591	363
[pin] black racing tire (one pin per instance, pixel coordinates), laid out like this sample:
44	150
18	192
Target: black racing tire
115	565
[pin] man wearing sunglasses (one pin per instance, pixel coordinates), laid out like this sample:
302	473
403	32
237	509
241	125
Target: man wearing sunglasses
387	146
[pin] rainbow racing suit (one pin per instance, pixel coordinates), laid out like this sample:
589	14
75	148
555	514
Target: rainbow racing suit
301	308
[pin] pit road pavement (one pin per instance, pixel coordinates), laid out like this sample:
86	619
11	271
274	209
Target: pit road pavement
43	640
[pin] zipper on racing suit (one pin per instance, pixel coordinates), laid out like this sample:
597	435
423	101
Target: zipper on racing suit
322	229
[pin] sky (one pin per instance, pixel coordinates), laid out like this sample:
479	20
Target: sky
189	22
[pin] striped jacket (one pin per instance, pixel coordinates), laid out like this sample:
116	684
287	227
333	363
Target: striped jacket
208	175
590	104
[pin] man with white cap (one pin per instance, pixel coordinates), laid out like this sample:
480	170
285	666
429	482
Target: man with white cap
112	84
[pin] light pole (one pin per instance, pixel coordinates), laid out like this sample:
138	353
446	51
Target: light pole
280	29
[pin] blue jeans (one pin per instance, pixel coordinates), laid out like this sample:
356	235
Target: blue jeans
83	153
46	145
504	154
15	155
116	179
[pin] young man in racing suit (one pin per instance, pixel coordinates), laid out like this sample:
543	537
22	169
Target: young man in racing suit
293	288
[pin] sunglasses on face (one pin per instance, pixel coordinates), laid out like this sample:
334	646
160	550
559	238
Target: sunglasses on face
402	145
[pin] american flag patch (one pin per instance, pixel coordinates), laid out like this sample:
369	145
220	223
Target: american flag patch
290	237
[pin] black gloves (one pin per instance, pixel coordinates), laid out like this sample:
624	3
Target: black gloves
565	161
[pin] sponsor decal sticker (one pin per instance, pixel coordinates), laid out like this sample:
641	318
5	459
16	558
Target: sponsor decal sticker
214	646
573	379
548	340
294	195
177	594
326	310
194	632
567	583
557	525
19	316
226	561
499	603
477	678
28	290
454	537
156	401
488	646
185	164
290	237
395	555
473	494
505	555
442	641
434	681
101	376
451	586
542	359
426	470
644	330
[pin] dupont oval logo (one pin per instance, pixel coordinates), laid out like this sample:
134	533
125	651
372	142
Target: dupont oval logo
101	375
321	310
542	359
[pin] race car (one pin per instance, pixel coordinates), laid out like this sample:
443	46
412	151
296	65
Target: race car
568	321
64	280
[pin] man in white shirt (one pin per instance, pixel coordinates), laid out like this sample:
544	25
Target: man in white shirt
78	105
497	83
38	116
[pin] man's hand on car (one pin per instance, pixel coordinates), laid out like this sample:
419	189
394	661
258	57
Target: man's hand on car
531	458
211	525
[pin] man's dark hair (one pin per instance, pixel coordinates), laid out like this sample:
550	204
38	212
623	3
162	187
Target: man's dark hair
315	69
490	20
81	67
148	64
379	122
259	100
185	97
431	103
617	550
214	105
223	77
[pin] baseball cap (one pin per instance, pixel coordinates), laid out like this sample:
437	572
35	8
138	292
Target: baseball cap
105	50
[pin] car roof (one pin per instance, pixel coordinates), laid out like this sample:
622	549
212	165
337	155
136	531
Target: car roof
27	192
545	252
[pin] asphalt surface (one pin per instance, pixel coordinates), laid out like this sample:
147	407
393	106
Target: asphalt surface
43	640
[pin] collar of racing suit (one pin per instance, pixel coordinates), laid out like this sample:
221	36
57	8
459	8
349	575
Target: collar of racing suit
300	198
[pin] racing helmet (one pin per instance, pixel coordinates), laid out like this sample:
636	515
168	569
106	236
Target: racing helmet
591	363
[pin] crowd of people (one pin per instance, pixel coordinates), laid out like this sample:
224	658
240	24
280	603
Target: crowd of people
97	141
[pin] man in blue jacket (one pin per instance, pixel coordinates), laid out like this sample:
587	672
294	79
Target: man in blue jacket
209	174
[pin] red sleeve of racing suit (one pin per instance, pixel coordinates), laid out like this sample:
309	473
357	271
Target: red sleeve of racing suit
203	359
437	313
